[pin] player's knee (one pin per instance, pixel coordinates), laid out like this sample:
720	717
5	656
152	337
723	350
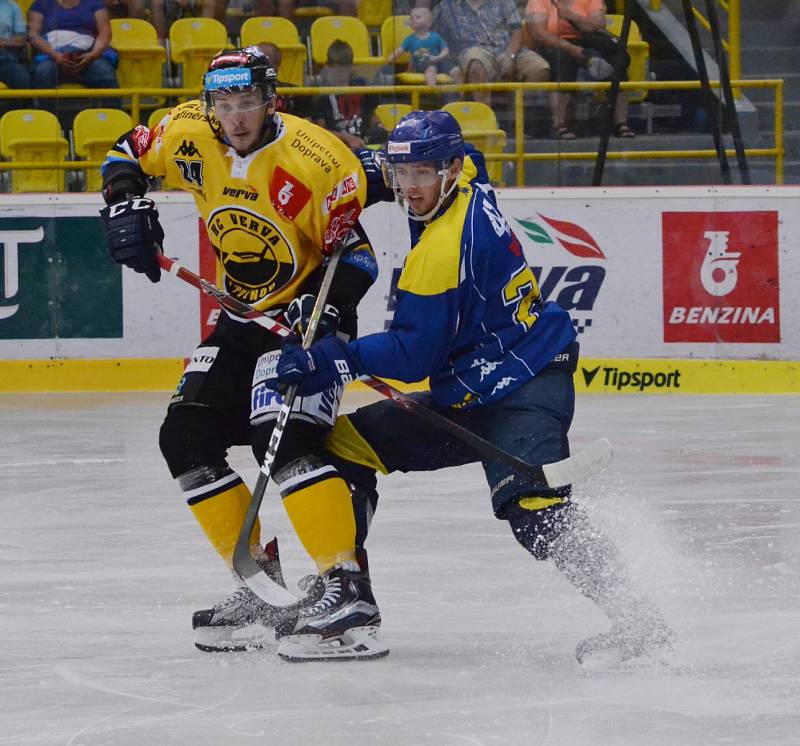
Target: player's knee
537	522
191	437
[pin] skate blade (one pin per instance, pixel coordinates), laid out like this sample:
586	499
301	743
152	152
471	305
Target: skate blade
233	639
358	643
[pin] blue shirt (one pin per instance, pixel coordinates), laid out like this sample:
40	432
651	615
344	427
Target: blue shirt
12	22
79	19
469	313
421	49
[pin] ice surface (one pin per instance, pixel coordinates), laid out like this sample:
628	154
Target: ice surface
102	566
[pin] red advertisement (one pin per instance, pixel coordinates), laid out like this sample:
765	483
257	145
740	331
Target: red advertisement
720	277
288	195
209	308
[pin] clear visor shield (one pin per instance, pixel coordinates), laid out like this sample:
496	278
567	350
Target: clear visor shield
225	104
405	176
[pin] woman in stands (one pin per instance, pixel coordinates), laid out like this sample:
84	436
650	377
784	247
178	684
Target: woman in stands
70	40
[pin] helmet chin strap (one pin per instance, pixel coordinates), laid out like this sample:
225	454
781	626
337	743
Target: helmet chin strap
443	195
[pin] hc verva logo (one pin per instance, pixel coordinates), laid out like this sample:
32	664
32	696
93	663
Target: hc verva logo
720	277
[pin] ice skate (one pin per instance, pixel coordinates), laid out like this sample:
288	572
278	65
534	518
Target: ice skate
243	621
624	644
341	625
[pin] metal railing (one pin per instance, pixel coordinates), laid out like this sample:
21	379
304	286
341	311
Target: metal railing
732	45
415	93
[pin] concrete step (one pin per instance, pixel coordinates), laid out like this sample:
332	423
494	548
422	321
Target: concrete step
769	10
660	173
791	145
791	116
791	86
771	33
637	172
757	61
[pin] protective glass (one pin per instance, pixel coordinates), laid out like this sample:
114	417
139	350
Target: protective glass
236	102
406	175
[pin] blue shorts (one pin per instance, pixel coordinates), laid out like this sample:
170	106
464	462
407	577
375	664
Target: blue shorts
531	423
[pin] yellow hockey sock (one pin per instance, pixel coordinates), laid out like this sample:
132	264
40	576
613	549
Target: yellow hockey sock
322	515
221	514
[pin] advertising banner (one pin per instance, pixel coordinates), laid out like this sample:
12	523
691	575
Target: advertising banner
670	274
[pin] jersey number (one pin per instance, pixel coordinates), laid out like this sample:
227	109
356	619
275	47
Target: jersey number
522	292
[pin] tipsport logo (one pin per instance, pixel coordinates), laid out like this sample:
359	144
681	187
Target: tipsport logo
574	286
721	277
619	379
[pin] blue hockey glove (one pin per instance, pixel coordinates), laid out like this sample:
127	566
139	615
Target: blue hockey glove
298	314
326	363
134	236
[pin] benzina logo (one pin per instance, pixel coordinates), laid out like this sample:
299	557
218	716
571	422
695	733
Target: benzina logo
720	277
575	288
638	380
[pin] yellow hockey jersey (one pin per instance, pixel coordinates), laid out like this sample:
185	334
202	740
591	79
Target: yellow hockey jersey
270	215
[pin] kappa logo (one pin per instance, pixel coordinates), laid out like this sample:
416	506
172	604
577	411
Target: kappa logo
487	368
188	150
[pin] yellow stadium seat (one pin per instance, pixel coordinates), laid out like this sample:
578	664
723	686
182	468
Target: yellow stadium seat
192	44
326	30
390	114
141	57
283	33
479	125
374	12
33	135
639	52
93	133
393	30
157	115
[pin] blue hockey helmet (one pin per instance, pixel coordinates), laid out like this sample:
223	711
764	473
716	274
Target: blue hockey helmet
425	136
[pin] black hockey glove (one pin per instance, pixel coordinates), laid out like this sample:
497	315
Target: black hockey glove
134	236
298	314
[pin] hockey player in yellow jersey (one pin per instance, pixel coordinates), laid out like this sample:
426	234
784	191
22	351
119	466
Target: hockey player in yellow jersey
277	194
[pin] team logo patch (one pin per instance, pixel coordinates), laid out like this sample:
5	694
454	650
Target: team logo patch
345	188
288	195
257	258
187	149
141	138
342	220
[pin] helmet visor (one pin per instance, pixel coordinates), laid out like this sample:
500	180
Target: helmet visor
227	103
404	176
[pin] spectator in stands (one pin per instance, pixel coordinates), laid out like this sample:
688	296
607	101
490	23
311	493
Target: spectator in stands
300	106
486	38
126	8
12	44
428	50
570	34
71	40
164	12
351	116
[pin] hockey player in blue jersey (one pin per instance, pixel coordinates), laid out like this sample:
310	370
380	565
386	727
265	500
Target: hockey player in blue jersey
470	317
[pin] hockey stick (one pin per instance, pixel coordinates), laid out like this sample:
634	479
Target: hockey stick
575	468
244	564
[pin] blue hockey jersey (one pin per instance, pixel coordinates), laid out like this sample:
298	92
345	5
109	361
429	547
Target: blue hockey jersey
469	313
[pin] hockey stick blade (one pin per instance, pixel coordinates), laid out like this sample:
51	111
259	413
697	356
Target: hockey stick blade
580	466
260	583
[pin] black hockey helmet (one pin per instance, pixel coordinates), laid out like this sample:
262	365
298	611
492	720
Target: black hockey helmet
234	71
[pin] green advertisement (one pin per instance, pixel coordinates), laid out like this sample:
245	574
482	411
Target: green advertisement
56	280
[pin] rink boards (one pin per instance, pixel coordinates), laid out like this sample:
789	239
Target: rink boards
671	290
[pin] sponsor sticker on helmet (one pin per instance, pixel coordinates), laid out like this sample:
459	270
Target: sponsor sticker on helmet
395	148
230	78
